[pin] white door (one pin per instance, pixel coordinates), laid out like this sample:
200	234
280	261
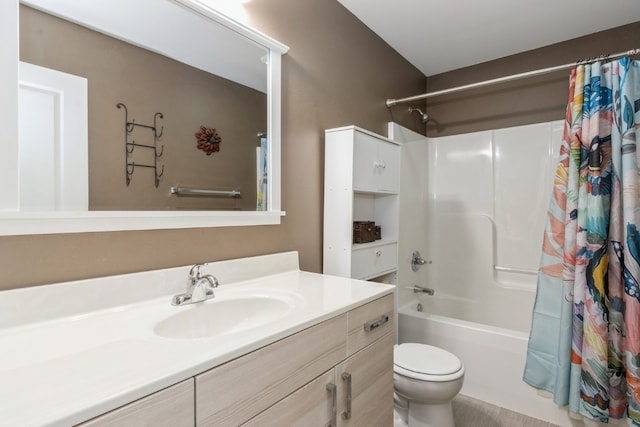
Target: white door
53	149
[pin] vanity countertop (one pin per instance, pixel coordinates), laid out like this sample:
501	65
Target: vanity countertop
66	369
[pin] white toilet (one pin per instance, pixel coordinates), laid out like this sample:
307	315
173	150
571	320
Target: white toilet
425	381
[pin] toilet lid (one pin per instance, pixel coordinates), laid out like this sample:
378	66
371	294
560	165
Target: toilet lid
425	359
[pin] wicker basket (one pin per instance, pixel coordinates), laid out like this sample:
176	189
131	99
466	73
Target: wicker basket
364	231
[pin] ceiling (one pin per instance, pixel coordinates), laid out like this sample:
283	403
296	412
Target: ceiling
443	35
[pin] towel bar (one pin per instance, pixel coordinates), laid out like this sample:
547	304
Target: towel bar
185	191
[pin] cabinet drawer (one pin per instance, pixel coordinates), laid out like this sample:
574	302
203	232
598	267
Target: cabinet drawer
372	261
171	407
363	329
242	388
309	406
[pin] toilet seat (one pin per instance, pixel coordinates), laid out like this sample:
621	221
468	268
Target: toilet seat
426	363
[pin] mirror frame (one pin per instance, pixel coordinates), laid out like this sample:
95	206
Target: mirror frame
14	222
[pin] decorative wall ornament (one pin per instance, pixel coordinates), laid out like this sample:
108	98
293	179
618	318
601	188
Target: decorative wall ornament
208	140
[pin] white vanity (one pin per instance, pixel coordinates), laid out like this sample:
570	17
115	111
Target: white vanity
285	347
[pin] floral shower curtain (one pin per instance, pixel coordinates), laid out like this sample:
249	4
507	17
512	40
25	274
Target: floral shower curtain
584	345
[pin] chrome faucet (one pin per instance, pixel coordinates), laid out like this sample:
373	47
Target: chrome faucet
199	287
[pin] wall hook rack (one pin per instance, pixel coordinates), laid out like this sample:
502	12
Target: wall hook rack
130	146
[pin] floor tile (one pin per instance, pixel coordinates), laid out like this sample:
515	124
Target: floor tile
470	412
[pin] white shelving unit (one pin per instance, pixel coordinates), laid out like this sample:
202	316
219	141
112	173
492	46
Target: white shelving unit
361	183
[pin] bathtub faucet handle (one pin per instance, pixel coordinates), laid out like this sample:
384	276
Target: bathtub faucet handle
417	261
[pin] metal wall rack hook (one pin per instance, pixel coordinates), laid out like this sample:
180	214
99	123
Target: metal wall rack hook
131	125
132	145
155	151
159	175
155	124
126	112
132	166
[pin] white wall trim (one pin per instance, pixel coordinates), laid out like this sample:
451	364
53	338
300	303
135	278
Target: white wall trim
24	223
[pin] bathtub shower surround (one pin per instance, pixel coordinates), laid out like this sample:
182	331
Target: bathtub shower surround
483	201
584	345
489	191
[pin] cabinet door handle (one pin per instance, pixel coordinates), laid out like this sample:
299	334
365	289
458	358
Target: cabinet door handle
378	252
375	324
334	410
347	414
379	165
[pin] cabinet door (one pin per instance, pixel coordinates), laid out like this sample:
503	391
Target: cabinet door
235	392
376	164
312	405
368	376
366	166
389	167
171	407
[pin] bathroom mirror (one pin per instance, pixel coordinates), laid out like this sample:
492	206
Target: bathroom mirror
167	34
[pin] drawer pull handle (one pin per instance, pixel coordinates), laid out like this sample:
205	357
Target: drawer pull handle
378	252
370	326
334	410
347	414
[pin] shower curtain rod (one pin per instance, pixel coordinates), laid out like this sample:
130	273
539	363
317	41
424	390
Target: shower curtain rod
392	102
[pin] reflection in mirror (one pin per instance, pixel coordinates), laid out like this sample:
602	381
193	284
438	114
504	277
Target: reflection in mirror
171	69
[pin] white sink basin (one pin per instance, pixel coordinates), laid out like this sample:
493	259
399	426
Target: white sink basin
223	316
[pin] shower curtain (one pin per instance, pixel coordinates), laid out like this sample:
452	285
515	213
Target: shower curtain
584	345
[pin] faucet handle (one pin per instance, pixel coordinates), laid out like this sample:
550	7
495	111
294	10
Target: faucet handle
195	273
417	261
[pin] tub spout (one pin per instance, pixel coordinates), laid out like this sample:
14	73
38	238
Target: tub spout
420	289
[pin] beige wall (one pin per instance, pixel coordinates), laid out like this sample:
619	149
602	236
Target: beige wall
521	102
118	72
336	73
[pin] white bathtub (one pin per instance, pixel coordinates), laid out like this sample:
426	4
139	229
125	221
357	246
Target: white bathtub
493	357
487	304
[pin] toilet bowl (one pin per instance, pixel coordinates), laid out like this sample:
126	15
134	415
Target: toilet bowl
425	381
